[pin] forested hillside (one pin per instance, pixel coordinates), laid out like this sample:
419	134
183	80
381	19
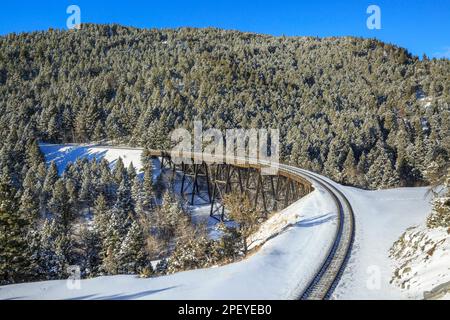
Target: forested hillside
360	111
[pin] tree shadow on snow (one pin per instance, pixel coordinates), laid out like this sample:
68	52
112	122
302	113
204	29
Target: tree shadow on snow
122	296
315	220
70	154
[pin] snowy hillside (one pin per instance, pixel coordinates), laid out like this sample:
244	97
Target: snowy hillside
422	260
293	243
381	217
63	154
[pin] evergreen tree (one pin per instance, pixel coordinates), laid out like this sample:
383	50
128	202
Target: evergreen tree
34	154
166	218
114	232
137	195
131	172
60	206
124	200
381	172
133	256
146	160
244	214
90	250
106	185
29	201
55	250
50	180
350	168
440	215
119	171
101	215
148	196
14	258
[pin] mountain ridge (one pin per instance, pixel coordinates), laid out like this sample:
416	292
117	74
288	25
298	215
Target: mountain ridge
350	108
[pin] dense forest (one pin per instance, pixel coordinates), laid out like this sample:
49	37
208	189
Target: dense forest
360	111
107	221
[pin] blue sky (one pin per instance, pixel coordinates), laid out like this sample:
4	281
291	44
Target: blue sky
421	26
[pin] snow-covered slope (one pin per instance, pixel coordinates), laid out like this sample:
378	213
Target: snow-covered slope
422	259
381	217
62	155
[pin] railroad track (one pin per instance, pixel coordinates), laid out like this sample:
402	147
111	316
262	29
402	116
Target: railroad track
328	276
330	271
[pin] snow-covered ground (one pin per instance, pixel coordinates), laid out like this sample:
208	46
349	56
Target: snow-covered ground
381	217
278	270
293	245
422	259
62	155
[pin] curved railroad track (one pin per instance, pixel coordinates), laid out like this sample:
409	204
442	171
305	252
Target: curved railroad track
330	272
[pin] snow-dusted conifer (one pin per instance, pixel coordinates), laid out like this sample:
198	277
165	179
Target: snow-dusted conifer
132	255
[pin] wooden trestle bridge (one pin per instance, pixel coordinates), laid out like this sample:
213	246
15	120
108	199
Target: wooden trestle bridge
211	181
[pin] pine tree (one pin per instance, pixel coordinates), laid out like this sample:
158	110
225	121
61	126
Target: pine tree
90	250
350	168
14	259
55	250
106	233
29	201
381	173
166	217
244	214
146	160
133	256
137	195
230	242
440	215
148	195
87	191
36	254
131	171
59	205
193	253
101	215
72	195
99	133
119	171
50	180
162	266
106	186
124	200
34	154
114	232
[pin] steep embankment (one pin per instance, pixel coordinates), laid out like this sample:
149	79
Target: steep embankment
422	261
